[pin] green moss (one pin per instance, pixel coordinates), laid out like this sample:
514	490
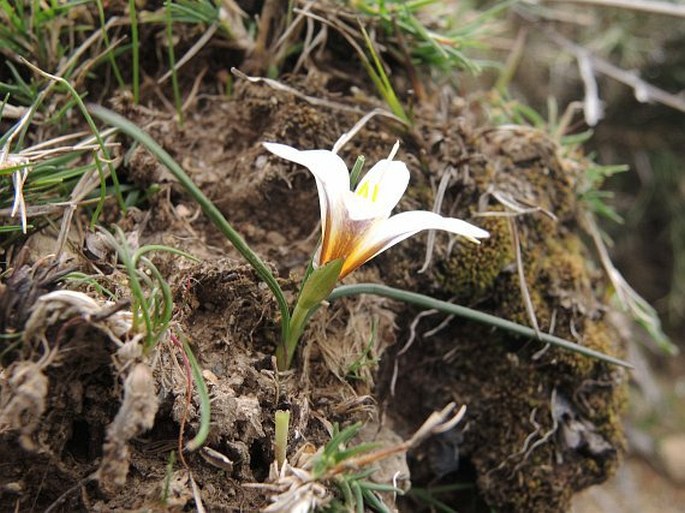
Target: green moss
565	266
471	269
595	336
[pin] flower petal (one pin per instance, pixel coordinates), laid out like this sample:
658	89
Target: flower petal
332	181
387	233
379	191
325	165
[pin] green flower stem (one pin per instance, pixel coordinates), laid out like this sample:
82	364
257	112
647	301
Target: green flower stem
316	287
468	313
130	129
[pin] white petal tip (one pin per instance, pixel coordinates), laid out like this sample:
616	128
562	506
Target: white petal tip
482	234
473	237
275	147
283	150
468	231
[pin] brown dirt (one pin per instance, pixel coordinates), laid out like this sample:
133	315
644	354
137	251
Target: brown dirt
88	424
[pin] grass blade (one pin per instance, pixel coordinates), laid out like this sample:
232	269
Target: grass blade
172	64
135	50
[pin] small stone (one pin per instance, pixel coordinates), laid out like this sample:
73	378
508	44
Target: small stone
672	455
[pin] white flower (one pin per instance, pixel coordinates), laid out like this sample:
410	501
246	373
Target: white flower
357	226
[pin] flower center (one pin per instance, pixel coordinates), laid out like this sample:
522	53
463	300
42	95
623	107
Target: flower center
363	191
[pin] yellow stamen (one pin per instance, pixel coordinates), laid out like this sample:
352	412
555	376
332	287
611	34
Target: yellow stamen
363	191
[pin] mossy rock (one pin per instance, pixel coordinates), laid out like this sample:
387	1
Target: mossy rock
541	423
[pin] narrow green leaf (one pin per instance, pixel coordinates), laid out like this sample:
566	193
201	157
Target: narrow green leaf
203	393
473	315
